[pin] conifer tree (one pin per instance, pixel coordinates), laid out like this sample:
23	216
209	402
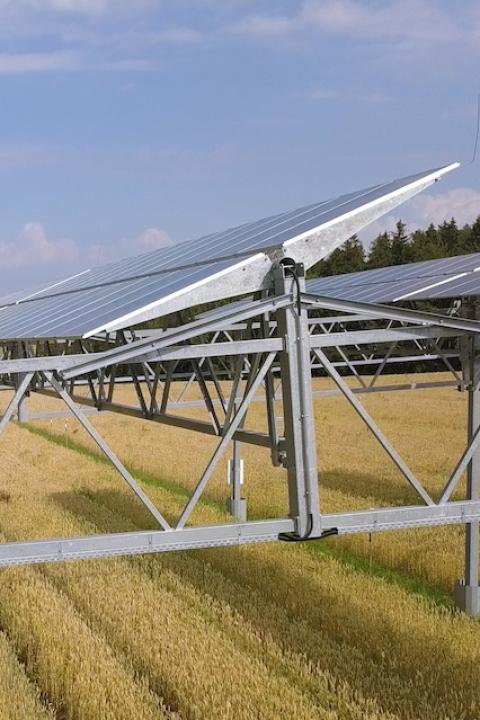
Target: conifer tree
397	248
472	238
449	236
380	254
399	245
425	245
349	257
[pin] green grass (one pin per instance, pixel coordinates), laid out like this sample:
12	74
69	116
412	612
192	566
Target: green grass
360	564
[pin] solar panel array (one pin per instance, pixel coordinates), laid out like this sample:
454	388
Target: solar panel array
76	312
102	296
431	279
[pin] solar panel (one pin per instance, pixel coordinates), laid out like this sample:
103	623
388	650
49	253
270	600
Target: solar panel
431	279
75	313
23	295
216	266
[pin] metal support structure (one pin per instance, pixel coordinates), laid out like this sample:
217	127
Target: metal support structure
227	436
256	344
467	591
118	465
236	504
295	368
22	408
372	425
12	406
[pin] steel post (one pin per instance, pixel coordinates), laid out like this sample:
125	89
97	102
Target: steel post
236	504
22	407
295	367
467	591
22	410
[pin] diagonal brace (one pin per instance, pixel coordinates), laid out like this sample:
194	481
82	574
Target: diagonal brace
227	436
384	442
460	468
116	462
13	404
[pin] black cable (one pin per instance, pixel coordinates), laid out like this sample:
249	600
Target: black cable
292	537
477	133
291	271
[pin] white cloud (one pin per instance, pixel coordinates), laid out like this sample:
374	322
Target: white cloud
87	7
32	248
463	204
67	61
385	224
81	7
328	95
151	239
121	35
414	19
15	63
267	25
414	24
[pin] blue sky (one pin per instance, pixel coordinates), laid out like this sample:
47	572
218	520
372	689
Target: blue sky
128	125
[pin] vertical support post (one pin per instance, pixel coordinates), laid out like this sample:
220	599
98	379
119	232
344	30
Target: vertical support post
270	402
295	367
467	591
236	505
22	411
22	408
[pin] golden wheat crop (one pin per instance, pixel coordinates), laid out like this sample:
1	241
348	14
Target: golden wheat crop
19	697
428	427
255	632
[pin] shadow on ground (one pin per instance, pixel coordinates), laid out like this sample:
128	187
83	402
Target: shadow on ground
306	615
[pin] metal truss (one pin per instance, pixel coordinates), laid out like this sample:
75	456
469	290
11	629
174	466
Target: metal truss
267	347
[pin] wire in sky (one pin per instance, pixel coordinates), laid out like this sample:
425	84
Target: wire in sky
477	133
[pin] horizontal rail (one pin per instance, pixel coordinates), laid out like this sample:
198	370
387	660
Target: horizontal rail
173	336
401	518
175	352
392	360
389	388
391	313
134	543
249	437
367	337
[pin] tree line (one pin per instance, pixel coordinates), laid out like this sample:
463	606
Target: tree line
400	247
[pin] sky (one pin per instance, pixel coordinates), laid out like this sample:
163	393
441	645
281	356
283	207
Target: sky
127	126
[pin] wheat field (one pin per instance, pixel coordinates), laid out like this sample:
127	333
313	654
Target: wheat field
357	627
